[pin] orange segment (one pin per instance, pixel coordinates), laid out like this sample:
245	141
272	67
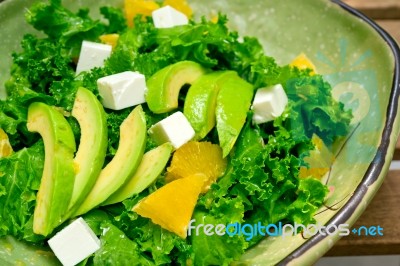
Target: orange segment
172	205
110	39
214	19
303	62
201	158
317	172
5	146
180	5
138	7
320	160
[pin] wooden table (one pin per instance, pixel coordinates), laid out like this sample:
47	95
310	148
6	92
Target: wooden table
384	209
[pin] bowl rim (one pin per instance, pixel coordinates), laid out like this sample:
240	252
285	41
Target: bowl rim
378	163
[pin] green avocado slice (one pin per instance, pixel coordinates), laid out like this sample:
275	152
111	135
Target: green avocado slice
201	100
233	102
58	177
164	86
125	162
151	166
89	158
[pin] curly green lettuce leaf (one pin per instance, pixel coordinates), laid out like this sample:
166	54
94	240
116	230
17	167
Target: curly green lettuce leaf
147	49
314	110
20	176
114	120
41	72
115	17
157	245
12	121
137	50
64	26
117	249
218	249
95	218
310	196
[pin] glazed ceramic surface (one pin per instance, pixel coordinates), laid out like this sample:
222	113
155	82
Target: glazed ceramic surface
358	59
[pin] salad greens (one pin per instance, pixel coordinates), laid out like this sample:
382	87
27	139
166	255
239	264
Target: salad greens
262	179
20	180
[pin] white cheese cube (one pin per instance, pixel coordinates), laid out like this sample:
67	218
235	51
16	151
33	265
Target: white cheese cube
92	55
175	129
269	103
74	243
168	17
122	90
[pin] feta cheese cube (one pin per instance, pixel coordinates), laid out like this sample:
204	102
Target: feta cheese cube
269	103
168	17
92	55
175	129
74	243
122	90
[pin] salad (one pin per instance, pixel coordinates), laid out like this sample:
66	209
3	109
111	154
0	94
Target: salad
207	145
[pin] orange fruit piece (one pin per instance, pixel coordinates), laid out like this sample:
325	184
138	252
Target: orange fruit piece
172	205
5	146
317	172
320	160
180	5
214	19
138	7
110	39
197	158
303	62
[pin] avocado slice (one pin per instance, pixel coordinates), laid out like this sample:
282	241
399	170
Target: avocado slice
151	166
201	100
164	86
233	102
58	177
125	162
89	158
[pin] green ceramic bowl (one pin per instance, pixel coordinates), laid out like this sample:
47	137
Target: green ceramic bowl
358	58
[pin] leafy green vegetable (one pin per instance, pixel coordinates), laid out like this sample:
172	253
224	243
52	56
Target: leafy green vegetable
116	19
62	25
216	249
13	121
314	110
117	249
42	67
156	244
20	176
95	219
